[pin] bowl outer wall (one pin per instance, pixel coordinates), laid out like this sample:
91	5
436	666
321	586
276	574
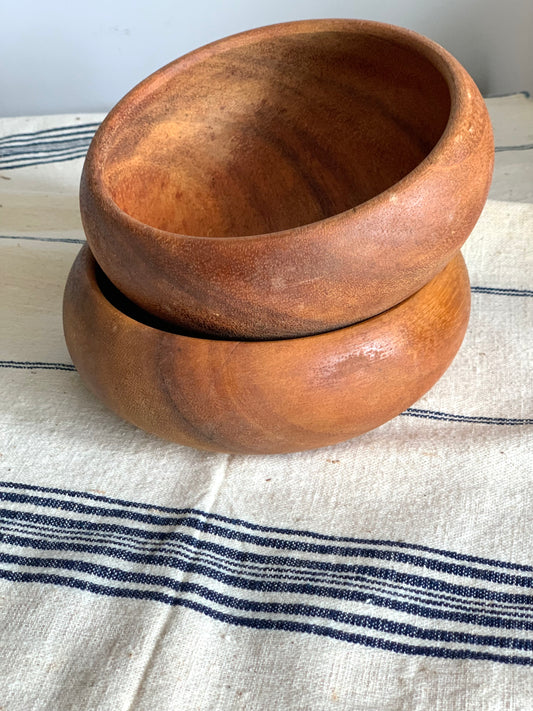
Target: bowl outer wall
312	278
264	397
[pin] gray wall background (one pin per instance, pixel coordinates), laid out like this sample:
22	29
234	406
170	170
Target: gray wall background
59	57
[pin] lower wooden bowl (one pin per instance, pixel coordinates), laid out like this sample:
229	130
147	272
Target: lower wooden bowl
261	397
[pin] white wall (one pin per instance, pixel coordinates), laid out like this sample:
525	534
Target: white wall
66	56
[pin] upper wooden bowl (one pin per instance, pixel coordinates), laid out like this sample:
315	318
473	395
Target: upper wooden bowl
288	180
261	396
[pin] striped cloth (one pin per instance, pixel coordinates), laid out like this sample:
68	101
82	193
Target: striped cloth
391	572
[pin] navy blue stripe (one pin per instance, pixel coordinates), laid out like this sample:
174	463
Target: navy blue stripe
265	560
299	533
474	616
42	155
271	571
34	365
69	240
303	609
58	130
366	573
50	140
36	156
296	609
275	543
269	568
33	362
355	581
474	419
261	571
262	623
42	162
45	147
523	147
500	291
270	586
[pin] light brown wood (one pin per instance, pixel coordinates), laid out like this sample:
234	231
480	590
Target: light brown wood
289	180
261	396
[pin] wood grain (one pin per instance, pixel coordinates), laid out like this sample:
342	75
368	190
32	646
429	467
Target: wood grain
289	180
261	396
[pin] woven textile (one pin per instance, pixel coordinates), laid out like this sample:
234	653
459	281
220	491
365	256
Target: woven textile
393	572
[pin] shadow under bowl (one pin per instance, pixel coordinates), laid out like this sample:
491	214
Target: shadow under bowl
261	397
289	180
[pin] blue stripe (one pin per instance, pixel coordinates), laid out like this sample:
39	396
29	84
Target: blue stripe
36	156
69	240
182	539
296	609
500	291
52	132
194	554
35	365
31	149
41	155
270	570
383	625
299	533
523	147
285	625
286	545
257	564
474	419
53	139
42	162
259	571
231	534
487	618
371	586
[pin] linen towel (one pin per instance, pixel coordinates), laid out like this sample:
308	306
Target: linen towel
394	571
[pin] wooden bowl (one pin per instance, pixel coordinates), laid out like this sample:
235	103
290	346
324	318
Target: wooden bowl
261	396
290	180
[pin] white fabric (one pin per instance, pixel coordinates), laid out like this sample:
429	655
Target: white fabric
513	175
391	572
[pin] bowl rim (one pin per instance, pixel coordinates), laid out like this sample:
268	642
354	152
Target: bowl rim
92	272
462	99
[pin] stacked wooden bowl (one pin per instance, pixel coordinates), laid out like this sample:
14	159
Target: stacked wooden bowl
273	226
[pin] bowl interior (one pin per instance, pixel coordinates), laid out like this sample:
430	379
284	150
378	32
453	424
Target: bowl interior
263	136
